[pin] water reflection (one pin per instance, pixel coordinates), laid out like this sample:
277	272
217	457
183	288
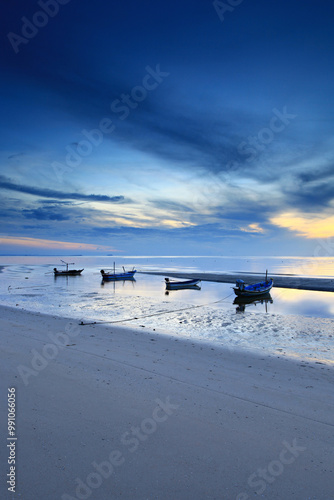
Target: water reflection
117	284
243	302
87	293
63	278
305	302
192	287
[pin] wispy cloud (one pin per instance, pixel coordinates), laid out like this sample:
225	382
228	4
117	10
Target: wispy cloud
59	195
43	214
253	228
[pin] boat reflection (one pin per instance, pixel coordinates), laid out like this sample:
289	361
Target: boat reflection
116	283
243	302
190	287
65	278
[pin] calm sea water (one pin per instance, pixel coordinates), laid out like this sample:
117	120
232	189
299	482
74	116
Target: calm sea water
29	282
295	323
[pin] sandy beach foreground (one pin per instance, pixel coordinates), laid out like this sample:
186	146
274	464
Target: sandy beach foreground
106	412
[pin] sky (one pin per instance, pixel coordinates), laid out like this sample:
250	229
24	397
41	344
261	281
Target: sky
167	128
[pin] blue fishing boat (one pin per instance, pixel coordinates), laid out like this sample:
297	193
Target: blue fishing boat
111	275
253	290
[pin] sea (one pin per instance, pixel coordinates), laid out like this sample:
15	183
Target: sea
293	323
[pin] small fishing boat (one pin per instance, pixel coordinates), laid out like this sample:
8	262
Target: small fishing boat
179	285
255	289
111	275
67	271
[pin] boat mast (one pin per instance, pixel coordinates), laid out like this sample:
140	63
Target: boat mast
67	264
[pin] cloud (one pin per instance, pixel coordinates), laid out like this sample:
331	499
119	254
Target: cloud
15	155
43	214
171	206
310	184
58	203
191	135
309	226
319	173
311	196
194	122
50	193
253	228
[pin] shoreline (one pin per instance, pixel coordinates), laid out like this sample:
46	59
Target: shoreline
188	420
294	337
295	282
123	327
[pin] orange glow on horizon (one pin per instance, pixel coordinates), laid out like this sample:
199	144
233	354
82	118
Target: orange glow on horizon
50	244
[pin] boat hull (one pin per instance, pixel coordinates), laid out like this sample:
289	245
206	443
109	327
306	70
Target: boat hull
256	290
73	272
179	285
118	276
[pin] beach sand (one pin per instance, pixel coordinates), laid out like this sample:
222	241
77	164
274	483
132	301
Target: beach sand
106	412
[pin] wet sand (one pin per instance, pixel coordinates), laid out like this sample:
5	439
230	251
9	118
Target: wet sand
117	413
297	282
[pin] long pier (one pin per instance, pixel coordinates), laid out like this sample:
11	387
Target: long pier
280	281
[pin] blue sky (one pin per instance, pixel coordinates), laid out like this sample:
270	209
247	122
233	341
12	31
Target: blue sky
188	127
